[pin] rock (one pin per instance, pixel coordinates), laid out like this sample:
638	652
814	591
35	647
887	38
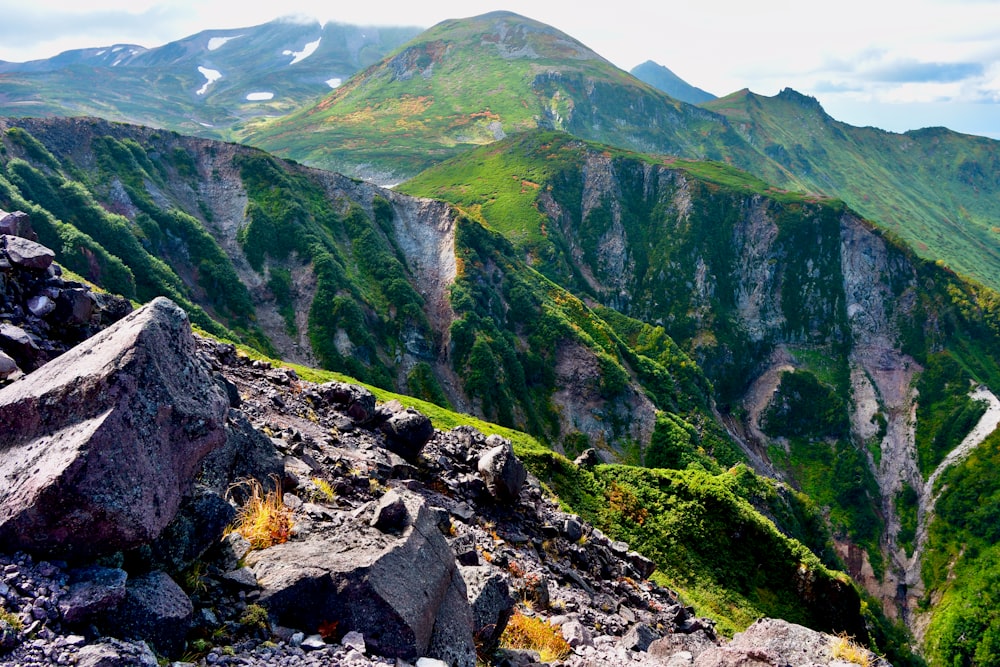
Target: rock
644	566
588	459
8	367
391	588
115	653
155	610
93	591
246	454
576	634
74	307
572	530
390	513
502	472
772	641
199	524
17	223
453	639
8	636
242	579
27	254
359	402
355	640
41	305
639	637
406	433
514	657
313	643
489	595
16	342
115	429
693	644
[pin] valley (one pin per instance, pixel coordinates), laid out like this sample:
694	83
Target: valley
778	334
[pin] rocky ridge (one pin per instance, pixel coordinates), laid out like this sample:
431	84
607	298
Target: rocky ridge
407	545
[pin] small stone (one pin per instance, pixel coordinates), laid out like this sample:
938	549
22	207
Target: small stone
390	514
313	643
40	306
355	640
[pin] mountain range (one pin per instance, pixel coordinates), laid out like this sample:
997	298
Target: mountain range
577	254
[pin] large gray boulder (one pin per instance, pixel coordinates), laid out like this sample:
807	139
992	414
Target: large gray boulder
492	605
400	591
27	254
100	444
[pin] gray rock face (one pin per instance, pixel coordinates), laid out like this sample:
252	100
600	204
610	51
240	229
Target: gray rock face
155	610
392	589
114	429
503	473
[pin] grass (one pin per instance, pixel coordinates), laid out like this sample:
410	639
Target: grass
11	619
846	649
534	634
263	520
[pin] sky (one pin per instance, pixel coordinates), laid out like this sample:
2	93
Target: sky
895	64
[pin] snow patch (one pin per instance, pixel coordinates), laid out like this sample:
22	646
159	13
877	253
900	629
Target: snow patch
101	52
217	42
307	50
212	75
334	82
260	97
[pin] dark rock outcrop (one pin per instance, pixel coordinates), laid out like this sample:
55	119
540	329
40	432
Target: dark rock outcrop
392	589
101	444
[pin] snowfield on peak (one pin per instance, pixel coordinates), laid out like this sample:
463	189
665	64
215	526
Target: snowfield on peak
217	42
212	75
307	50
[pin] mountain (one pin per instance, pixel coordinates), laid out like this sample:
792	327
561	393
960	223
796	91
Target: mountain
838	359
937	189
469	82
662	78
204	84
472	81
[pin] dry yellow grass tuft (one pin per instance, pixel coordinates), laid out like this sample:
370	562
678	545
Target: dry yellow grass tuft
526	632
845	648
264	520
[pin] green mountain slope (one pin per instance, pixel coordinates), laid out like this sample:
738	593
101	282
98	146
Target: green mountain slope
468	82
785	302
269	69
937	189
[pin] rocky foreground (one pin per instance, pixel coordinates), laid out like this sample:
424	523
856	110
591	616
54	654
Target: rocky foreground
124	460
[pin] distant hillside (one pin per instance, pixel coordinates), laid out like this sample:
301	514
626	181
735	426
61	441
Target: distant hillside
937	189
204	84
473	81
663	79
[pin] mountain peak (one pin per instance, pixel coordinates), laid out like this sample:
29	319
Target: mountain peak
664	79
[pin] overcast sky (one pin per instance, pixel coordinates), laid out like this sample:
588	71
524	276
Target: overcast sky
893	64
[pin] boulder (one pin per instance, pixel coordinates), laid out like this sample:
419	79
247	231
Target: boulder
453	638
771	641
492	605
639	637
358	402
27	254
391	515
406	432
93	591
155	610
16	342
391	588
17	223
8	366
502	472
247	453
101	443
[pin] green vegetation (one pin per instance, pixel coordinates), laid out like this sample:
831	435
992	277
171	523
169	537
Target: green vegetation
906	509
961	564
946	413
